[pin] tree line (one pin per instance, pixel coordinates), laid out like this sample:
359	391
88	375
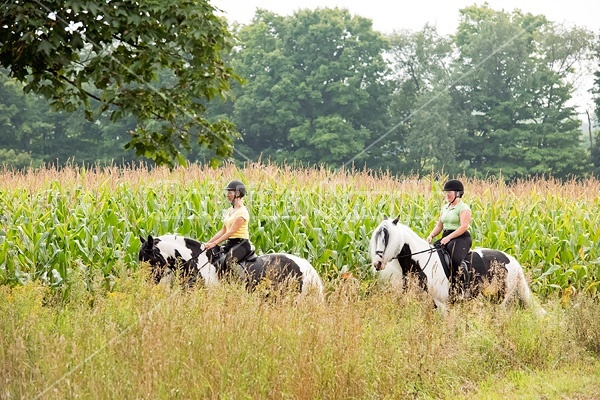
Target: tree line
317	87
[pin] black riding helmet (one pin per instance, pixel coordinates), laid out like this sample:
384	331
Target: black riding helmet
238	187
454	185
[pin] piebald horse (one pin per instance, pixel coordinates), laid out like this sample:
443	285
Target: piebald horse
492	270
173	253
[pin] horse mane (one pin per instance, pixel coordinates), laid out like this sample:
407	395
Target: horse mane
397	236
411	237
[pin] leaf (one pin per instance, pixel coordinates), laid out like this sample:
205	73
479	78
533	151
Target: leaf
46	47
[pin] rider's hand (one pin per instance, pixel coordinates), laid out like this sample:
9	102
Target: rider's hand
209	245
445	240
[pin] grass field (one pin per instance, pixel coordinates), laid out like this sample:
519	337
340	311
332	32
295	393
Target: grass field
79	319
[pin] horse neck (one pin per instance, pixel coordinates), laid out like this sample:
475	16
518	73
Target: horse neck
410	238
416	255
199	252
203	265
187	248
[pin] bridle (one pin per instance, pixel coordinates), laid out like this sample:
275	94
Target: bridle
399	256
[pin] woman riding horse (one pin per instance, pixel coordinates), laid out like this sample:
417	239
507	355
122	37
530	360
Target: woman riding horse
454	221
495	273
234	231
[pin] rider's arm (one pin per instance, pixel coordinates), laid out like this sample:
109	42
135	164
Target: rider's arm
436	230
225	234
217	238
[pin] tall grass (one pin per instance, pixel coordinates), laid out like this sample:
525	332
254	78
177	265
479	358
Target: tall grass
143	341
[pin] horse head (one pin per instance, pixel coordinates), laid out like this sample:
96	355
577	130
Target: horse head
385	243
151	254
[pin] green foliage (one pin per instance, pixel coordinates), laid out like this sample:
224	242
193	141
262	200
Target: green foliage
595	155
107	56
322	88
595	148
18	160
315	89
424	139
512	89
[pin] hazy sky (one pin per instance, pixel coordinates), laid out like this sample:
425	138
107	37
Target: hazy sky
388	15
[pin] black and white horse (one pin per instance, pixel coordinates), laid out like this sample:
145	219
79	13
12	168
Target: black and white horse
173	253
493	270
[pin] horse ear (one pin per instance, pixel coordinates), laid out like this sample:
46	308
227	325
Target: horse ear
396	220
147	244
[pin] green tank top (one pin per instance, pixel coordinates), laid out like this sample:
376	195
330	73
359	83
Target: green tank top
450	215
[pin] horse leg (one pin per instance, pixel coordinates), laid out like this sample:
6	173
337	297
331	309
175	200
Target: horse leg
441	307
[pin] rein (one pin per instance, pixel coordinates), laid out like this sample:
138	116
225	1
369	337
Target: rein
399	256
430	250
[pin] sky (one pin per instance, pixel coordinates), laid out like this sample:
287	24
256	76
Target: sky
389	16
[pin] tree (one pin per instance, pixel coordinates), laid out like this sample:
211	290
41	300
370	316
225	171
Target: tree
31	133
316	88
22	124
106	56
512	89
424	137
595	147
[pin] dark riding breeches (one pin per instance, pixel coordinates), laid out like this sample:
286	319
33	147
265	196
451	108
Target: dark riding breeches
458	248
231	252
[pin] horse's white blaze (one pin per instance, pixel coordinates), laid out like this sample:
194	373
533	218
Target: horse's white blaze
381	254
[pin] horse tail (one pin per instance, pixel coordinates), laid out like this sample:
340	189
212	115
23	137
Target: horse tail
523	291
525	295
531	301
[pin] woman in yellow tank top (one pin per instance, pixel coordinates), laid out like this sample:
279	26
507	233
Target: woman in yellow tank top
235	228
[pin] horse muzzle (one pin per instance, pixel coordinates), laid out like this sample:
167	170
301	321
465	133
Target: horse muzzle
378	265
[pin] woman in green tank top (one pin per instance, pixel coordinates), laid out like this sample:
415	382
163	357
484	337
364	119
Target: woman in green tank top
455	217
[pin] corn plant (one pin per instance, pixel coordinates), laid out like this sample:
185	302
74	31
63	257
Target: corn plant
55	223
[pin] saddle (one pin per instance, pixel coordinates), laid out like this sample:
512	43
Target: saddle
460	280
250	257
216	257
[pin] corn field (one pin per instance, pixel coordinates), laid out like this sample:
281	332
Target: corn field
60	226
